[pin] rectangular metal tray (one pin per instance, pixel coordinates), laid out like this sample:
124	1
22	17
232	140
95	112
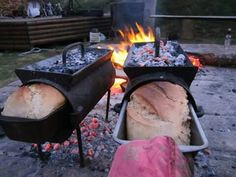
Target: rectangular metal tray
198	137
186	72
29	73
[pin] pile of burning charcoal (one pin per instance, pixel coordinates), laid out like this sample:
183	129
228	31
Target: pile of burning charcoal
145	56
98	144
74	61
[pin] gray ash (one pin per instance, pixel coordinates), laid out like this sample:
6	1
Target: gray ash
74	61
144	56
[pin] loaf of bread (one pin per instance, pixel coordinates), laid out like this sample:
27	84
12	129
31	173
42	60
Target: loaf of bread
33	101
159	108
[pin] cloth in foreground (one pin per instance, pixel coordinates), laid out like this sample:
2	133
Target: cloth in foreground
157	157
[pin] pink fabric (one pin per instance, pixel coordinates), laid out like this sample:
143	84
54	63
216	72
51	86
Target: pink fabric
158	157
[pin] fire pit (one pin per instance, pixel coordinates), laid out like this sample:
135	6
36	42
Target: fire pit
83	80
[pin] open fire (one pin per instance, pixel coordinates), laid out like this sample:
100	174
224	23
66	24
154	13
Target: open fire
128	37
195	60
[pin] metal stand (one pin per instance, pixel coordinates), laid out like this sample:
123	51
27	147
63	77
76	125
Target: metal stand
108	104
80	146
40	152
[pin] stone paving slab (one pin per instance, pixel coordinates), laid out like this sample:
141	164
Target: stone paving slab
216	49
220	131
215	90
217	74
225	169
216	98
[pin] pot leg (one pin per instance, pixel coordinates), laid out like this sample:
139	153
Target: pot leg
108	104
40	152
80	147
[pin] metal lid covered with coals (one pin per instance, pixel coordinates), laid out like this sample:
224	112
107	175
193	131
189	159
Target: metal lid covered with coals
67	70
171	59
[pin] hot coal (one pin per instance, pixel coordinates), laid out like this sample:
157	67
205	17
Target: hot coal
74	61
98	145
169	55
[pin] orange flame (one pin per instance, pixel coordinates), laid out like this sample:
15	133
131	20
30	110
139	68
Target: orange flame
129	36
116	88
195	60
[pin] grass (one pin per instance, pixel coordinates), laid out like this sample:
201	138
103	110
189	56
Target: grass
11	60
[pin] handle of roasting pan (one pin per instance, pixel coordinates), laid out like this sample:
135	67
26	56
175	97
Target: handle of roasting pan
70	47
157	41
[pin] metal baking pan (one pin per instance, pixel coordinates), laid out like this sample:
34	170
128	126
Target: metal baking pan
55	127
198	137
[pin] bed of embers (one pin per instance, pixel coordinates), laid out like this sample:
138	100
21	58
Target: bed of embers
99	146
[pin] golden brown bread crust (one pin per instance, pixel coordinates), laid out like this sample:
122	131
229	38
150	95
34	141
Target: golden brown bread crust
33	101
159	108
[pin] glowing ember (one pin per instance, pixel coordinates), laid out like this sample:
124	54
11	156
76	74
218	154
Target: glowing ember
116	88
129	36
195	60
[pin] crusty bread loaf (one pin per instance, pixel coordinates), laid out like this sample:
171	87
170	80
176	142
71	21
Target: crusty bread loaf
33	101
159	108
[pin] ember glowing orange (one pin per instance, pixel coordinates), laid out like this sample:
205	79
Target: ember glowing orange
195	60
116	88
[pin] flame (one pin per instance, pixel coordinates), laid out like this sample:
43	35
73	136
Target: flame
119	55
120	52
129	36
116	88
195	60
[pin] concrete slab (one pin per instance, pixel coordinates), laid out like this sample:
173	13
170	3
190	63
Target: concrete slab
216	97
220	131
223	163
209	73
213	54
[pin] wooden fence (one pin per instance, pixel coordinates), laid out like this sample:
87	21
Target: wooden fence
27	33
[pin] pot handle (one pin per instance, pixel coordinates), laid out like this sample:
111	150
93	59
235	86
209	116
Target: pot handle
70	47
